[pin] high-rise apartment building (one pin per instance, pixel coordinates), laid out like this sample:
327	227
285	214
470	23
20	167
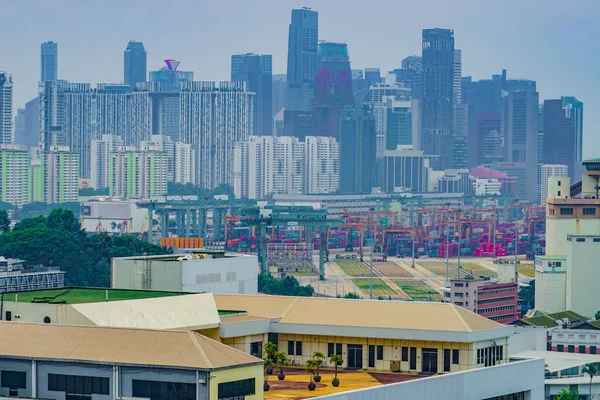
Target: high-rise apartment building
135	64
257	71
52	101
185	163
267	165
303	39
357	141
100	159
6	108
165	98
137	173
49	62
165	145
77	126
27	125
214	118
333	88
112	108
438	95
15	175
521	142
322	169
563	133
60	172
547	171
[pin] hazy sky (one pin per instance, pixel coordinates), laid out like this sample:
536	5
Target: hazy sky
554	42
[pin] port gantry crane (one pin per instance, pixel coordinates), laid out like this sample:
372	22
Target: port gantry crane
302	216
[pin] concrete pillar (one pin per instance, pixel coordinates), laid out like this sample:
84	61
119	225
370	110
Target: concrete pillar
34	379
164	227
188	222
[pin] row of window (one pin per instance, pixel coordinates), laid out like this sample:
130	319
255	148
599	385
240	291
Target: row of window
572	336
490	355
595	240
81	385
450	356
13	380
496	291
164	390
571	349
237	389
294	348
496	300
501	317
372	355
334	348
496	309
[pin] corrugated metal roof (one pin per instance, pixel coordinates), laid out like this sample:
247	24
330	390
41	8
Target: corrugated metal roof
192	311
118	346
359	313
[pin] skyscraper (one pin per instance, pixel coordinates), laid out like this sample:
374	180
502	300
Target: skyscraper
135	63
257	71
301	67
214	118
49	62
77	128
322	170
279	88
100	159
15	175
165	99
357	141
27	125
6	108
522	138
438	95
333	88
411	75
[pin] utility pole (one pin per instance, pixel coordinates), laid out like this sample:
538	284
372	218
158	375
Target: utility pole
459	238
516	252
446	231
371	277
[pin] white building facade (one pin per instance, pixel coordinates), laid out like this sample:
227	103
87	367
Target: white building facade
322	170
61	180
100	157
6	108
137	174
549	170
185	163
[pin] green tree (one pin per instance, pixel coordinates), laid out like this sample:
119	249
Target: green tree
351	295
311	368
597	315
36	222
64	219
336	360
527	295
93	192
4	221
567	395
590	370
318	357
286	287
281	360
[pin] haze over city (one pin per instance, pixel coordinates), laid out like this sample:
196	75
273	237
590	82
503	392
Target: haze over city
538	39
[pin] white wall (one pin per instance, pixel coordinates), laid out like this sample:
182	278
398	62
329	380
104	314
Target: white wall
527	338
523	376
583	279
230	275
550	291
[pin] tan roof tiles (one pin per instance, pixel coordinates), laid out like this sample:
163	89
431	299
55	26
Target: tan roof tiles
359	313
119	346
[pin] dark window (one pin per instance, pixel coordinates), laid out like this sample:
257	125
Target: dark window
236	389
8	316
338	348
596	240
14	380
560	348
446	360
405	354
592	349
380	352
478	356
589	211
256	349
571	348
290	348
298	348
413	358
581	239
548	346
455	359
559	182
273	338
169	390
330	349
371	356
559	192
78	385
582	349
566	211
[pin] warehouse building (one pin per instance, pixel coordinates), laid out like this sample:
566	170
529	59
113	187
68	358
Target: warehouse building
82	363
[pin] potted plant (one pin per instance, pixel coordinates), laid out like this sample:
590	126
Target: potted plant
311	367
281	360
318	357
270	350
336	360
268	366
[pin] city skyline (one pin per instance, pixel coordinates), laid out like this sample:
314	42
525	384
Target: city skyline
368	49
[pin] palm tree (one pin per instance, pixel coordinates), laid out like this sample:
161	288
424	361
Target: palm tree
318	357
281	360
311	367
567	395
268	365
270	349
336	360
591	370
